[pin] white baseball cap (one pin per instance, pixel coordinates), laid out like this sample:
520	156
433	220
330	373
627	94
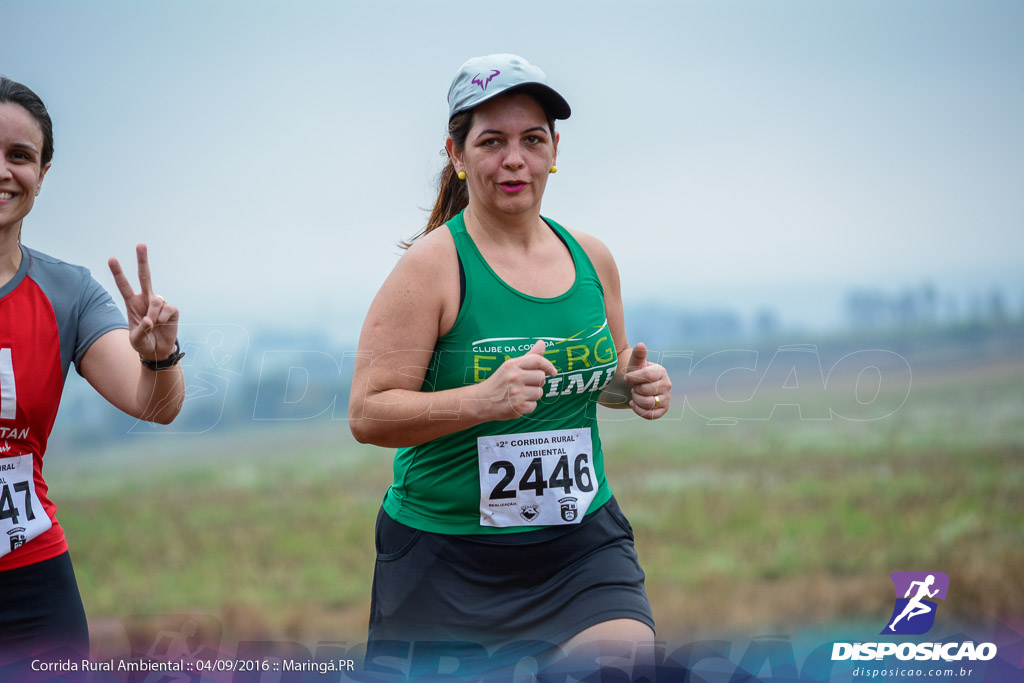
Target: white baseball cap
481	78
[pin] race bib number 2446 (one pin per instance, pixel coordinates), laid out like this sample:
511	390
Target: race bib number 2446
536	478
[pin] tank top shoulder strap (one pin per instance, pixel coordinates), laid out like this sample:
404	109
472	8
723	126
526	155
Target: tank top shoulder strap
473	269
463	242
457	228
585	268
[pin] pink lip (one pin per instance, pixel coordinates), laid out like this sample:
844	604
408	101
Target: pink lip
512	189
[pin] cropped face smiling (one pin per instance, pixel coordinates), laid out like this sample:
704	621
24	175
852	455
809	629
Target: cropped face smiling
21	169
508	154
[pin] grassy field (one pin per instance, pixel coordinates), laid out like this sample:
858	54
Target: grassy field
757	525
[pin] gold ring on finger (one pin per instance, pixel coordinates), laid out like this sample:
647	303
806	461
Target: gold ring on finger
657	401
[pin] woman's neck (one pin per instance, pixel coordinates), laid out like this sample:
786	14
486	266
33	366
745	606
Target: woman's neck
10	253
517	229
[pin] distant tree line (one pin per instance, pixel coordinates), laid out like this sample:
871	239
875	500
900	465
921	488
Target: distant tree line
922	305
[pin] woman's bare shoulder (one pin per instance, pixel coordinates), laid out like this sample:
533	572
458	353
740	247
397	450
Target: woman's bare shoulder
425	280
435	251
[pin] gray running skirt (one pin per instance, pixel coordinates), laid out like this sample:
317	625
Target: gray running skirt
536	589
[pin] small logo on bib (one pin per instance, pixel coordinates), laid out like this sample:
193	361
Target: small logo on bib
18	538
529	512
568	509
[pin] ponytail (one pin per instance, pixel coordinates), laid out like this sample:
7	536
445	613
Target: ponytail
452	195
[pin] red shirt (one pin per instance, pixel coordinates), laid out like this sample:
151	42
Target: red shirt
50	313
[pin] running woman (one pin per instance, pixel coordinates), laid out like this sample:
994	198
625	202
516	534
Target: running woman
482	360
52	314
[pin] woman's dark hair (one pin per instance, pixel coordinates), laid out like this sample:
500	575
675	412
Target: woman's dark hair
21	95
452	196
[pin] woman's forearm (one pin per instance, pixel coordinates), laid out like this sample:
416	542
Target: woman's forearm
159	394
397	418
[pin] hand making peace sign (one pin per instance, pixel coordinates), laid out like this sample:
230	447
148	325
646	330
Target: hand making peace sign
152	322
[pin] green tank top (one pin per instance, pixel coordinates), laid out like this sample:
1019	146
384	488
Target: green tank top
440	486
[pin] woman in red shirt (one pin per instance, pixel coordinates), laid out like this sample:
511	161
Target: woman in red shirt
53	314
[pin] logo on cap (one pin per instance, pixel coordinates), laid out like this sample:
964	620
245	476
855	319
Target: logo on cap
483	84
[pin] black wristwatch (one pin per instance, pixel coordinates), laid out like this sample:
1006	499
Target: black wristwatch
168	362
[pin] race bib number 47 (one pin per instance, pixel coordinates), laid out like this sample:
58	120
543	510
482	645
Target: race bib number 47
537	478
22	516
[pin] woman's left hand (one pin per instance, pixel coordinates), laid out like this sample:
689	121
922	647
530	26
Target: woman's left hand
152	322
649	385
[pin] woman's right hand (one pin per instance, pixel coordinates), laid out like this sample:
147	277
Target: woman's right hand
518	383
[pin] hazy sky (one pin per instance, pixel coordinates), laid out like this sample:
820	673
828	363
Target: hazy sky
729	153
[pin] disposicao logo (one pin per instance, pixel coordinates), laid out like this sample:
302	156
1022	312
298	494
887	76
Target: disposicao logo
914	614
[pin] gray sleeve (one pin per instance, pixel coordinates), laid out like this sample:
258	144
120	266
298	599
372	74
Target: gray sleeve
83	309
97	315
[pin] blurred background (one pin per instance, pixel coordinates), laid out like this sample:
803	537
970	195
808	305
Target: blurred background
816	213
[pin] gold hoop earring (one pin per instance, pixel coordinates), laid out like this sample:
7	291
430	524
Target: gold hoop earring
462	175
553	169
